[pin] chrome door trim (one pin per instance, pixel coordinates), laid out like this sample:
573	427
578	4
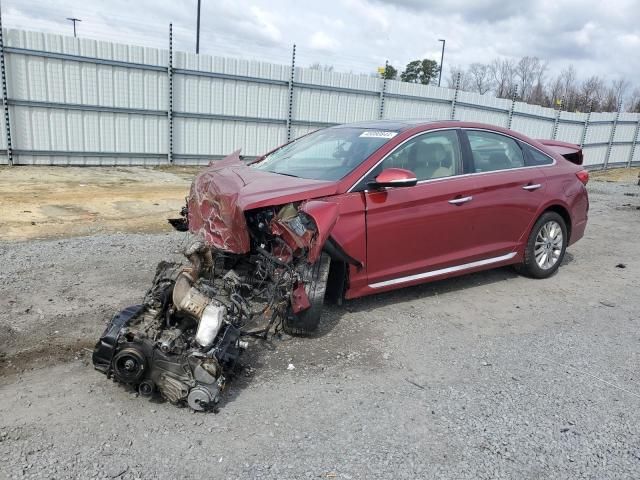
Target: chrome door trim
517	140
535	186
451	177
442	271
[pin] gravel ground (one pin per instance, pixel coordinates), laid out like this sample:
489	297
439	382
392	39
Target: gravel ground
486	376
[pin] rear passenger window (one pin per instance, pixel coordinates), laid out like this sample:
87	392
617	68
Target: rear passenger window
492	151
534	158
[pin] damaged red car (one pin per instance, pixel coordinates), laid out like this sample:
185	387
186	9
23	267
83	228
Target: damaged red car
343	212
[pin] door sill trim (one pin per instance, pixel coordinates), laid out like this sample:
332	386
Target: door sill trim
442	271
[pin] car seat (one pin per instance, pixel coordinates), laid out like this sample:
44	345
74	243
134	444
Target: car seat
446	163
428	160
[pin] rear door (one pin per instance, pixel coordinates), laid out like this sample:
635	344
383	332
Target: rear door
507	191
412	230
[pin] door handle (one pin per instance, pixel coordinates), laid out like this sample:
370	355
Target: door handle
531	187
460	201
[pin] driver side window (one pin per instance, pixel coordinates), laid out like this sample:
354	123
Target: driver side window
430	156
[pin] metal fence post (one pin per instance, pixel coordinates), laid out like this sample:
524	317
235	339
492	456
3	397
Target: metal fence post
455	98
5	100
586	126
514	97
384	89
557	120
170	100
633	145
291	78
613	133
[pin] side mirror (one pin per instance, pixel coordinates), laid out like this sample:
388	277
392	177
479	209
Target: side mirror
395	177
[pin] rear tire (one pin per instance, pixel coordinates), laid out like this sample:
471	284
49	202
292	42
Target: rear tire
546	246
315	284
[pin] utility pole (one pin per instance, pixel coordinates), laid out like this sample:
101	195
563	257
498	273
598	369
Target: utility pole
198	31
441	60
74	20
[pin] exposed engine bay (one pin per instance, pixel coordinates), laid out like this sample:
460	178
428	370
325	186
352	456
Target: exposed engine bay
184	340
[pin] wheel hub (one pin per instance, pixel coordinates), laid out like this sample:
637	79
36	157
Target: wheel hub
548	245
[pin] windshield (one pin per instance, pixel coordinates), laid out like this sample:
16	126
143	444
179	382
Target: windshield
327	154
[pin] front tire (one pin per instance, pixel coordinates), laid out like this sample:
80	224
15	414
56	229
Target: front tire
315	284
546	246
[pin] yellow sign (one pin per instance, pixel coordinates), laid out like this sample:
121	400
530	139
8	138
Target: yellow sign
558	101
381	70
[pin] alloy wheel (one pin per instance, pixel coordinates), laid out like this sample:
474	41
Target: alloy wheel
548	245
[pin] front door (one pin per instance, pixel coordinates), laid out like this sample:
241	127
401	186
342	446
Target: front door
423	228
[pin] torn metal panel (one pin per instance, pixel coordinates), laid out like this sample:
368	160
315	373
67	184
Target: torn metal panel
299	299
325	215
214	213
223	192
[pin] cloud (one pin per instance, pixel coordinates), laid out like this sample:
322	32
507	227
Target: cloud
266	23
472	11
321	41
598	38
584	37
630	40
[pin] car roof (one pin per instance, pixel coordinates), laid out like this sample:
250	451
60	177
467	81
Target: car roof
392	125
403	125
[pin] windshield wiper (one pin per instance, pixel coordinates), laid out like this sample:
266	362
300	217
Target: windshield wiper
287	174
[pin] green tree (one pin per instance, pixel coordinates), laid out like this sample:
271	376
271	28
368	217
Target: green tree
420	71
390	74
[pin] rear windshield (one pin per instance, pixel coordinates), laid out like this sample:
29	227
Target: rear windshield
327	154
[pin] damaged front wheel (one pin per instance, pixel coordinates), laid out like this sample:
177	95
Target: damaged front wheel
314	278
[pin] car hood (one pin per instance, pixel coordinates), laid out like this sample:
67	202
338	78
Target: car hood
222	192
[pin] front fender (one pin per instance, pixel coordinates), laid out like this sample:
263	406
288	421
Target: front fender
325	215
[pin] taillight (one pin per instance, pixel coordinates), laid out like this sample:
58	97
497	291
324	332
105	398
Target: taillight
583	176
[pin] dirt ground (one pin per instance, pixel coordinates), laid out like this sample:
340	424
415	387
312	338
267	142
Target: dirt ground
52	202
49	202
489	375
626	175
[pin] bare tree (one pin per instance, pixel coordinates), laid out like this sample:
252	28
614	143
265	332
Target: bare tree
614	96
480	77
634	101
538	95
528	71
619	88
562	87
465	83
591	93
569	88
554	91
318	66
503	76
529	76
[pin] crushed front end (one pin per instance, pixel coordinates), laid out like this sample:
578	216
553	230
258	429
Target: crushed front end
252	269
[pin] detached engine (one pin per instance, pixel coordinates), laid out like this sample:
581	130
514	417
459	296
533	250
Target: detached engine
185	338
182	342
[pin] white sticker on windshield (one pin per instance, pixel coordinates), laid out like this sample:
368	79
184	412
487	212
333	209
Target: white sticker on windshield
378	134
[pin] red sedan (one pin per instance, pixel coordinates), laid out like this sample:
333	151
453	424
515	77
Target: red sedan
397	203
348	211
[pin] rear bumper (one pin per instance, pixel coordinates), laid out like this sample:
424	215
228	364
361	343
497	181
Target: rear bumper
577	231
580	215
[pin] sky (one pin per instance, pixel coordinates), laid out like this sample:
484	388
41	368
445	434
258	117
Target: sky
598	37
